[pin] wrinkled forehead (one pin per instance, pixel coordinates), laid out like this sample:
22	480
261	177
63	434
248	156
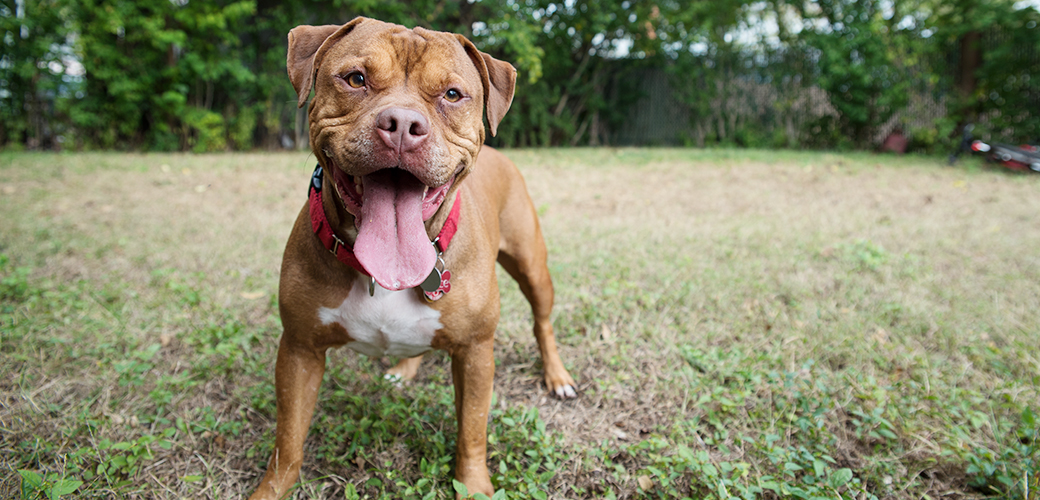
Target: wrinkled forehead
375	45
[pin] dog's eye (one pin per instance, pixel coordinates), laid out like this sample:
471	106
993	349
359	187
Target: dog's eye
356	80
453	95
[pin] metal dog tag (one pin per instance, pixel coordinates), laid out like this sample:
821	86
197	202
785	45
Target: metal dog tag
438	282
432	282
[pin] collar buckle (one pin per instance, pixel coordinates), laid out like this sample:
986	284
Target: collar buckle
336	243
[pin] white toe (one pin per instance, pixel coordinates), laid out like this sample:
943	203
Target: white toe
394	378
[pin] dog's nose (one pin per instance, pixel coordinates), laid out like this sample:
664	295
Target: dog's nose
402	129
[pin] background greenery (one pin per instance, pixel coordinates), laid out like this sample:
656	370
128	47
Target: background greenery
209	75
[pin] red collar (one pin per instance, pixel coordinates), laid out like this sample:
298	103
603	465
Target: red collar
343	251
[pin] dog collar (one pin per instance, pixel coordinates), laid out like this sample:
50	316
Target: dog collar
436	284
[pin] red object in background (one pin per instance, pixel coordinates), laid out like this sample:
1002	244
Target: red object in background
1024	157
895	142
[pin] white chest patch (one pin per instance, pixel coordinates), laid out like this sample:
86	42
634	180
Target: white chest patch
389	323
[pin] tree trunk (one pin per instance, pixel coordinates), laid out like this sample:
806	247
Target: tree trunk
34	132
971	60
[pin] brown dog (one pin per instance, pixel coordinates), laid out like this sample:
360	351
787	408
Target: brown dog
396	125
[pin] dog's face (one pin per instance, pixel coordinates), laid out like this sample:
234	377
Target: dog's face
396	120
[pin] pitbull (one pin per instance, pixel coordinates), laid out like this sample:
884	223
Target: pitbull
394	253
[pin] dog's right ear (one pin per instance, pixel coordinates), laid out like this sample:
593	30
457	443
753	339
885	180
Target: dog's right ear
305	42
498	78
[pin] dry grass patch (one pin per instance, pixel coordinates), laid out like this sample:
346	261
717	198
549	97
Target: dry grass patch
742	323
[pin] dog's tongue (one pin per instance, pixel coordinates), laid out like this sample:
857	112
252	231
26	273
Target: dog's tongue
391	241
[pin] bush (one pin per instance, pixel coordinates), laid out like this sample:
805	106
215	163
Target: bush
205	130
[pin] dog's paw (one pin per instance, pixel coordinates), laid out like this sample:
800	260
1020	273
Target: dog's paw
566	391
395	379
560	383
403	371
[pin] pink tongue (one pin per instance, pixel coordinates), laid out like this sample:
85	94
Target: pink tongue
391	241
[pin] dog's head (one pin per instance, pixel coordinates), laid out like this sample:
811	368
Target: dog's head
397	120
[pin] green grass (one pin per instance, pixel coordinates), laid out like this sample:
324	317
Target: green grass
752	324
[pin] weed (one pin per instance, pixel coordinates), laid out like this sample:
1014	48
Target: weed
124	458
50	486
14	283
134	369
864	255
1006	470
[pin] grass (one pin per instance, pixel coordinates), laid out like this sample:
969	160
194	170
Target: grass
750	324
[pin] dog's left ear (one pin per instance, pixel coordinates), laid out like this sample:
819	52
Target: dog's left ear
499	79
305	43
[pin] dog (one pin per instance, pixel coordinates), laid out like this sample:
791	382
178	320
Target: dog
395	251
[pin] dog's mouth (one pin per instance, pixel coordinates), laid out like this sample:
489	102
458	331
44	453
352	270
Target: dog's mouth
390	207
351	189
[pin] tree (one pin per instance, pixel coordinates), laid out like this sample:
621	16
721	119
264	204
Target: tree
998	57
210	75
33	72
864	57
157	71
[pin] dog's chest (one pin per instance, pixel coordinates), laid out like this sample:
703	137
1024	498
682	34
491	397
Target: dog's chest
388	323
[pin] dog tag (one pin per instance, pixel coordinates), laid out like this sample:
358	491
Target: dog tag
438	282
443	288
432	282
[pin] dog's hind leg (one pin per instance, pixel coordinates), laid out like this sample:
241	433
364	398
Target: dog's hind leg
523	255
405	369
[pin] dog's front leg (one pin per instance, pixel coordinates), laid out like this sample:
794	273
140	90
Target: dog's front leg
297	376
473	371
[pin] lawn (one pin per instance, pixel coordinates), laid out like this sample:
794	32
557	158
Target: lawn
752	324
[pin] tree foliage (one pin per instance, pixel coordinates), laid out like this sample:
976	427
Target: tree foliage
32	69
158	74
1003	91
206	76
863	60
